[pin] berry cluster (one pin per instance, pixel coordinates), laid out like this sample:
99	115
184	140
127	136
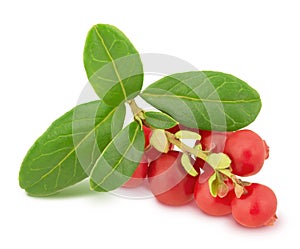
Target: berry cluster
211	180
91	140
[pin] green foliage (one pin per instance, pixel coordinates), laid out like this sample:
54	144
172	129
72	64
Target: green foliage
68	149
206	100
112	64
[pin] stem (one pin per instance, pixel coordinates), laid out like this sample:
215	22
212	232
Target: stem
138	113
198	153
135	109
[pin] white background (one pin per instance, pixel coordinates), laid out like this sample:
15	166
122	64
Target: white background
42	75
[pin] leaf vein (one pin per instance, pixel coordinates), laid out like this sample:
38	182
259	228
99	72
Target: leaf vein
73	149
121	158
112	61
201	100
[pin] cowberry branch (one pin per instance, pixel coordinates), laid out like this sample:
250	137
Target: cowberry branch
185	148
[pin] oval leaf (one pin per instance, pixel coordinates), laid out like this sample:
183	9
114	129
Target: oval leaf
119	160
223	189
206	100
218	161
188	166
159	140
112	64
213	185
66	152
159	120
184	134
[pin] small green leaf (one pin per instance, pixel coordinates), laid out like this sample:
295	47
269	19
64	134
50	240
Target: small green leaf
205	100
159	140
159	120
223	189
66	152
213	185
218	161
183	134
239	190
112	64
119	159
186	163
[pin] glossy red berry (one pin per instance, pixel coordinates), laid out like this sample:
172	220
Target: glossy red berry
174	129
256	208
168	180
210	205
247	152
213	141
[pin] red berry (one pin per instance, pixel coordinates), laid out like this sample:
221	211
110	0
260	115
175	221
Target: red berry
206	168
213	141
138	176
168	180
267	150
174	129
215	206
152	154
256	208
247	152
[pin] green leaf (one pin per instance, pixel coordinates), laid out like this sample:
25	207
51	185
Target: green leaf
187	165
66	152
223	189
119	160
184	134
218	161
112	64
206	100
159	140
159	120
213	185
